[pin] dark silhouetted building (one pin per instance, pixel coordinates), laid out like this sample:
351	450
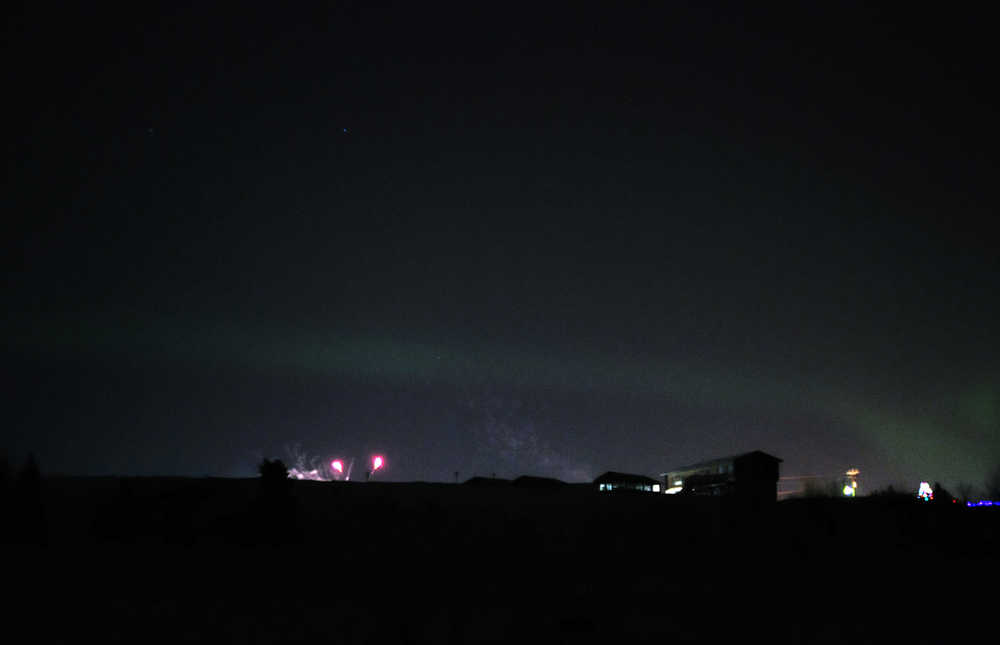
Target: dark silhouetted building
611	481
752	476
530	481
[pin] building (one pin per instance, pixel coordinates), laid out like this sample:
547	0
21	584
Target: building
623	481
531	481
752	476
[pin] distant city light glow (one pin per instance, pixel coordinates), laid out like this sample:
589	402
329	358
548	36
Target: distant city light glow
337	465
925	492
377	463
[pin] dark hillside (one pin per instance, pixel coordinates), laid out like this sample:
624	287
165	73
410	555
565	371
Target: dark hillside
420	562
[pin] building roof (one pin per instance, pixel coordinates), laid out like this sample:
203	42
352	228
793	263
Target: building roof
612	477
756	454
530	481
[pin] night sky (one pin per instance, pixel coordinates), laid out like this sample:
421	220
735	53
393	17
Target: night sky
510	240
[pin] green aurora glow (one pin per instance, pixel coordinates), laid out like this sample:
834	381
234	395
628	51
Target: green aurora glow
925	443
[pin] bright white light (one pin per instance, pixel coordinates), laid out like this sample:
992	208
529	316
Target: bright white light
310	475
848	491
656	488
673	490
925	491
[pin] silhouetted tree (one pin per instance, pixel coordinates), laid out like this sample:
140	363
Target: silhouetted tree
275	507
941	494
895	491
966	491
273	473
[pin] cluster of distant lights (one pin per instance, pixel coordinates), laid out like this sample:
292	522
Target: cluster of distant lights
924	492
337	468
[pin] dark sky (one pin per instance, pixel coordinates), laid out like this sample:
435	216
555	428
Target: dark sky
502	240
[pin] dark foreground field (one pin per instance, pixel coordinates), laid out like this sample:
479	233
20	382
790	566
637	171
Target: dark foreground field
182	560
